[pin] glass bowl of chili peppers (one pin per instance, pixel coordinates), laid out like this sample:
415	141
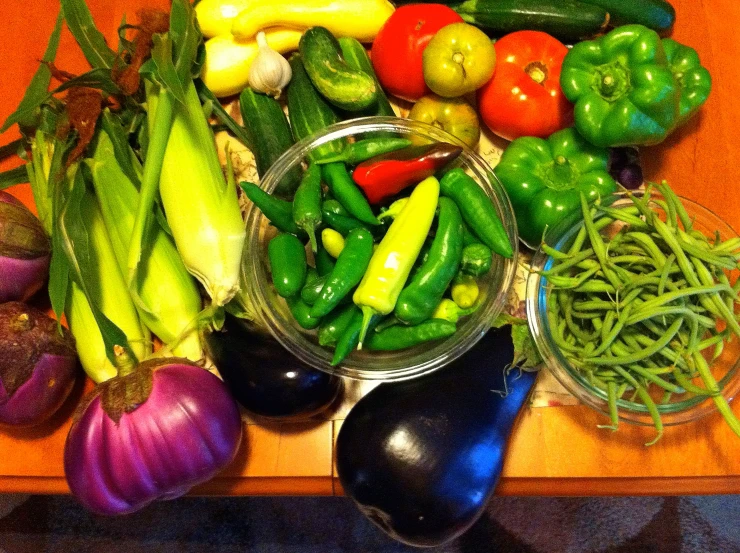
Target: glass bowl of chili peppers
380	248
632	303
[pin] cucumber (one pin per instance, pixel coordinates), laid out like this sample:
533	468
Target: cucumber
345	87
658	15
309	112
356	57
567	20
269	136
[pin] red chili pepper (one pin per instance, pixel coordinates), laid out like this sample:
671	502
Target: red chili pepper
386	175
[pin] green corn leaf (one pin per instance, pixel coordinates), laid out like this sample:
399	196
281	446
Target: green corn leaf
186	37
11	177
121	147
75	241
91	41
166	74
208	97
38	91
99	78
11	149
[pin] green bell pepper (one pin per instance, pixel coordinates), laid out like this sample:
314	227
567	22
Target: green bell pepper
545	178
622	87
693	79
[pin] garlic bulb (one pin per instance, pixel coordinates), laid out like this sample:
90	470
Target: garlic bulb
270	72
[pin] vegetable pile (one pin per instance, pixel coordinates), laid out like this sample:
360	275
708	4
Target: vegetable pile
379	243
645	309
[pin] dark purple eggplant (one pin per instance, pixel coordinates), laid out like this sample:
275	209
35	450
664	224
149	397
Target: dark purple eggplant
421	458
264	377
625	167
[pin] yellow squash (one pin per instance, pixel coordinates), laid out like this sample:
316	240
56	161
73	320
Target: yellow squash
215	16
360	19
226	69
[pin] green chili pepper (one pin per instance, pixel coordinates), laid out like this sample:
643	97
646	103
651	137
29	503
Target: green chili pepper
367	148
622	87
279	212
301	311
344	189
312	288
400	336
333	206
307	203
391	263
342	224
347	273
334	325
324	261
693	79
476	259
288	264
417	301
477	210
350	338
468	236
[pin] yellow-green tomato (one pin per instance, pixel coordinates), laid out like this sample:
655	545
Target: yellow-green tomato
459	59
453	115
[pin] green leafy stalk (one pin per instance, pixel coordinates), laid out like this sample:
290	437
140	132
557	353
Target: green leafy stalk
91	41
37	92
12	177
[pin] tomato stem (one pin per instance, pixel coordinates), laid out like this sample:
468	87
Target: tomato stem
537	71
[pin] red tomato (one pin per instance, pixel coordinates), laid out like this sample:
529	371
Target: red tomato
397	50
524	97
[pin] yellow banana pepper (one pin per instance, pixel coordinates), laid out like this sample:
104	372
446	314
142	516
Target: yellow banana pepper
393	260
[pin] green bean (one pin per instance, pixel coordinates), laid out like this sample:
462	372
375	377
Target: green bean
555	254
565	301
572	260
620	214
594	305
647	400
719	399
595	286
665	273
670	211
572	282
649	246
671	198
611	389
655	347
613	332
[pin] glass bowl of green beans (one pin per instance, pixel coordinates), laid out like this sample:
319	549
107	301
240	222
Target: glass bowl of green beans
632	303
319	343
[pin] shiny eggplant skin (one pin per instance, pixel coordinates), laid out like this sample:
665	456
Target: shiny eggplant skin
264	377
421	458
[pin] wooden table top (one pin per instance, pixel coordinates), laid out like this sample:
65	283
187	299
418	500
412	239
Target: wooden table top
554	450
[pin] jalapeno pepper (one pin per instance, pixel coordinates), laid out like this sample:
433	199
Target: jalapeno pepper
278	212
417	301
347	273
312	288
307	203
333	206
346	192
324	261
334	325
401	336
477	210
476	259
287	263
301	311
384	176
368	148
391	263
350	338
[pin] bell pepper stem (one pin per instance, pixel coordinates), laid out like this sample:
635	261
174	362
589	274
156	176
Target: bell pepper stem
367	315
